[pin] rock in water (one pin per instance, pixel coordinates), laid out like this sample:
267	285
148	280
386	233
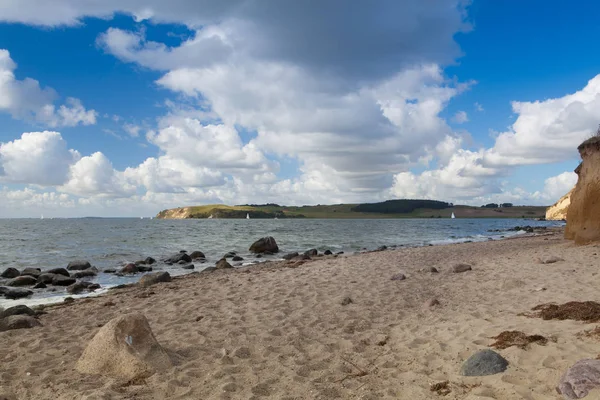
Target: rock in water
266	244
10	273
18	322
197	254
17	310
152	279
311	253
26	280
484	362
237	258
124	348
178	257
17	293
61	280
461	268
78	265
582	377
222	264
35	272
149	260
290	255
58	271
130	269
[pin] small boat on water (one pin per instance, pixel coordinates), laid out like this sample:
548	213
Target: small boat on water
210	216
452	216
247	216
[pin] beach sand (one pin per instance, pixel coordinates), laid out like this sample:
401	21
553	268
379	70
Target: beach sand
281	332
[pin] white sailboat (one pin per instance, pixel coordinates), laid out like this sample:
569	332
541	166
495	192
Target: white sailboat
42	216
210	216
247	216
452	216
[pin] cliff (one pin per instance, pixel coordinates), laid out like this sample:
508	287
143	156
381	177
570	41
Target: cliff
583	215
558	211
175	213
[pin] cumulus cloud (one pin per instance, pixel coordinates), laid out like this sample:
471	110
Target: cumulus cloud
557	186
25	99
460	117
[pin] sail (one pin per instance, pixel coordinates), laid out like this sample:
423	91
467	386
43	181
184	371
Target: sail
247	216
452	216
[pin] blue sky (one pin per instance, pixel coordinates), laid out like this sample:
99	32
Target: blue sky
129	107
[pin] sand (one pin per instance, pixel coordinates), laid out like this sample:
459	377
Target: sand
277	332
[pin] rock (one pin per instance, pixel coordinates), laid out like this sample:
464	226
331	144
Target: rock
93	286
339	252
222	264
76	288
129	269
109	271
230	254
78	265
382	248
26	280
484	362
10	273
125	348
578	380
140	262
302	257
209	269
346	300
398	277
17	293
143	268
289	256
150	260
154	278
61	280
17	310
266	244
35	272
327	252
549	260
183	251
197	254
311	253
85	273
432	270
237	258
40	285
178	257
190	266
432	303
47	277
461	268
182	262
18	322
58	271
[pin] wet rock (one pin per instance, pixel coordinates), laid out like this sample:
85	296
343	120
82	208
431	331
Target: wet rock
346	300
182	262
58	271
179	257
140	262
144	268
398	277
237	258
40	285
129	269
289	256
484	362
190	266
109	271
222	264
26	280
311	253
10	273
76	288
17	310
61	280
85	273
382	248
458	268
18	322
578	380
339	252
16	293
230	254
302	257
93	286
125	348
150	260
35	272
327	252
266	244
154	278
47	278
78	265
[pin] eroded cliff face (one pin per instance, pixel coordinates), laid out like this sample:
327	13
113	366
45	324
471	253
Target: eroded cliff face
559	210
175	213
583	215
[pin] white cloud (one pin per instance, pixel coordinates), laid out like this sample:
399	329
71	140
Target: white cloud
460	117
478	107
557	186
132	129
25	99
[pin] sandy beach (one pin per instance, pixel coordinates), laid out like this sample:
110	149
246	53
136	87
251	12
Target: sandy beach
280	331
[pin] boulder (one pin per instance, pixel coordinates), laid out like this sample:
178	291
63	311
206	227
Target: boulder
197	254
40	285
129	269
311	252
398	277
549	260
26	280
154	278
47	277
484	362
289	256
76	288
78	265
17	310
143	268
266	244
16	293
58	271
190	266
35	272
150	260
10	273
109	271
140	262
125	348
178	257
183	262
61	280
578	380
237	258
222	264
18	322
85	273
327	252
458	268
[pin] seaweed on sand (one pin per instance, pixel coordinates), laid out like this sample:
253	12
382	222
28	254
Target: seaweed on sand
516	338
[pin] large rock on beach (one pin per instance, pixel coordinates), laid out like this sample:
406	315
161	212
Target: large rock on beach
79	265
130	268
152	279
18	322
484	362
223	264
179	257
458	268
10	273
35	272
15	293
17	310
578	380
265	245
289	256
197	254
150	260
58	271
26	280
311	253
61	280
125	348
76	288
48	277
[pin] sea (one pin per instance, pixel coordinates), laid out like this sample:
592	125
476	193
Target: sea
114	242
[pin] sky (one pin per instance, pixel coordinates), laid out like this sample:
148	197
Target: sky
129	107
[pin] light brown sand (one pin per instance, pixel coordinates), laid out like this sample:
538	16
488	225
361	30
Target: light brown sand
282	333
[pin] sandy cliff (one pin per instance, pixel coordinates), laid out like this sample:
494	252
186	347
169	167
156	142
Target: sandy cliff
558	211
583	216
175	213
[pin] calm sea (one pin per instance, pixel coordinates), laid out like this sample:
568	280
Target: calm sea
110	243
